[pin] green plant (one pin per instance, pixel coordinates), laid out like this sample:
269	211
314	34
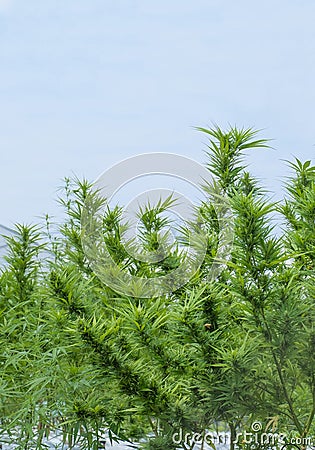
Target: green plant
80	358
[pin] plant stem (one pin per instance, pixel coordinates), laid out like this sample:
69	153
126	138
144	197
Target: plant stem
233	435
282	381
312	413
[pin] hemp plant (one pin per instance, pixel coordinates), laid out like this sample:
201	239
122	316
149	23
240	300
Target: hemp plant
21	312
84	360
263	332
118	345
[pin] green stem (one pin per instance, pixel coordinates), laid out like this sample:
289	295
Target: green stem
282	381
312	413
203	440
153	426
232	435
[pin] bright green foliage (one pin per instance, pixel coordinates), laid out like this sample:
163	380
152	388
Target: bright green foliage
81	358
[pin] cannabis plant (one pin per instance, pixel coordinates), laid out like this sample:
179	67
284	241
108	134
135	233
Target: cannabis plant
91	362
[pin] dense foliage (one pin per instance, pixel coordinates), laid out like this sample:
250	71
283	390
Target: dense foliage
79	357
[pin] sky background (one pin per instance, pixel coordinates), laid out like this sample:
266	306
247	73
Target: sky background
84	84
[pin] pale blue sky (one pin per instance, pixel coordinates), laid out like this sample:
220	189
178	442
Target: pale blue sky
84	84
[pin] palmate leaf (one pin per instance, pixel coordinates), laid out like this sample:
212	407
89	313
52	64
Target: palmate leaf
84	357
225	153
242	138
